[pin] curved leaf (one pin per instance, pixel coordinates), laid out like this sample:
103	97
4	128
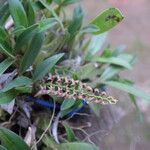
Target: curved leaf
18	13
108	19
32	52
77	146
12	141
43	68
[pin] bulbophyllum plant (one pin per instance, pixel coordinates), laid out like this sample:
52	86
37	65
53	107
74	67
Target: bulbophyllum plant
49	58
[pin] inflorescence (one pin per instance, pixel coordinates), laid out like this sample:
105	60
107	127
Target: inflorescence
55	85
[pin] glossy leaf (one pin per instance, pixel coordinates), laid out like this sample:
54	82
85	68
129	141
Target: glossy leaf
77	146
5	64
70	133
32	52
18	82
108	19
129	89
18	13
45	67
11	140
6	97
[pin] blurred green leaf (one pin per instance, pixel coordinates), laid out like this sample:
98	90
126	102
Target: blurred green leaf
67	103
70	134
91	28
6	49
110	71
95	45
133	100
11	140
113	60
2	148
4	13
83	71
129	89
47	23
18	13
26	36
76	22
45	67
32	52
96	108
30	13
77	146
5	64
18	82
6	97
107	19
65	2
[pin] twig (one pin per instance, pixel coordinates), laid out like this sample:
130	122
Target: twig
55	128
49	125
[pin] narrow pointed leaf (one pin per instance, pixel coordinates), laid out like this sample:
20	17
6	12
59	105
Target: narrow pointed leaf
129	89
45	67
18	13
5	64
11	140
32	52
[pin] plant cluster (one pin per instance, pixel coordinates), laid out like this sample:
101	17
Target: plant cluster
38	37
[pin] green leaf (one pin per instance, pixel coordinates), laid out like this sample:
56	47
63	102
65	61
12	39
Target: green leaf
11	140
129	89
95	45
6	49
108	19
30	13
77	21
5	64
18	82
18	13
45	67
67	2
8	96
91	28
110	72
32	52
83	71
26	36
67	103
114	60
2	148
4	13
77	146
47	23
96	108
70	134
